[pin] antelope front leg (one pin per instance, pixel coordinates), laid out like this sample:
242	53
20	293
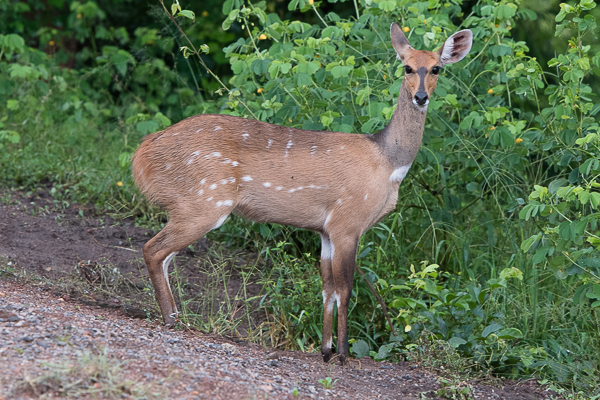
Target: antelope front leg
343	264
328	298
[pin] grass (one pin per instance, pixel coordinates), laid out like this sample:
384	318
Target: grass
92	374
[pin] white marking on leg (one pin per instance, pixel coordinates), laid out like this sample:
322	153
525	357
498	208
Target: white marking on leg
328	344
218	128
247	178
327	248
165	266
220	222
267	184
399	173
337	299
213	186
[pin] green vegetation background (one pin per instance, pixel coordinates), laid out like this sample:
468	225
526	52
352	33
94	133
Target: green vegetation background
490	262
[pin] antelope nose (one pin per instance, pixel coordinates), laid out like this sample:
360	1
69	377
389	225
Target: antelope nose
421	98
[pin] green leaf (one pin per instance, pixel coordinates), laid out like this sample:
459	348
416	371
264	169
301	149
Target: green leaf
456	341
491	328
540	255
188	14
341	71
147	126
510	333
360	349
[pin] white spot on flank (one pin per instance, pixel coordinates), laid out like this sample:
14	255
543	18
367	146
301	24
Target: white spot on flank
167	166
203	181
213	186
269	143
209	199
176	133
247	178
339	201
289	144
342	147
195	154
366	195
313	150
190	161
231	179
223	181
245	136
228	203
278	188
399	173
200	192
327	249
216	154
235	163
328	151
219	222
291	190
267	184
201	129
218	128
219	203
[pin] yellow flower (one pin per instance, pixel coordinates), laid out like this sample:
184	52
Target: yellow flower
78	16
497	26
262	36
491	91
51	43
119	183
519	140
406	29
311	2
260	90
384	76
424	21
492	128
407	328
205	13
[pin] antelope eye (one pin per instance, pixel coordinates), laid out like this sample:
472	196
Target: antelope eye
408	70
435	70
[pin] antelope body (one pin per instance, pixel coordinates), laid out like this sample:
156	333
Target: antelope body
336	184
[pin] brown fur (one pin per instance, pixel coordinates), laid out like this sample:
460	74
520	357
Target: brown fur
337	184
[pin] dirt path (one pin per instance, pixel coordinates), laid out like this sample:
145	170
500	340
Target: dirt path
52	344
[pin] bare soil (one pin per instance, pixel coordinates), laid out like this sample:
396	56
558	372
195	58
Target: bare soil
61	338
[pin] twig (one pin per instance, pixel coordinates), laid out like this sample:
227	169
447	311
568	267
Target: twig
381	302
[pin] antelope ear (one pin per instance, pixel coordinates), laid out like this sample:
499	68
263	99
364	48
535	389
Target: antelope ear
399	41
456	47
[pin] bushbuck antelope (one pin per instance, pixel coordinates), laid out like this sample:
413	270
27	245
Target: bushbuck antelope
336	184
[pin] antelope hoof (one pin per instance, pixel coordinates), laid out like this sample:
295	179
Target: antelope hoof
171	319
326	355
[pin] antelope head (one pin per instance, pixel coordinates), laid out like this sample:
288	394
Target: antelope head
422	67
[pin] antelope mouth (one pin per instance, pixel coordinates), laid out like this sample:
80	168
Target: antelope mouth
421	107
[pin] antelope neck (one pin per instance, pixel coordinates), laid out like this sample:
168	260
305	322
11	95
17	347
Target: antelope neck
400	140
